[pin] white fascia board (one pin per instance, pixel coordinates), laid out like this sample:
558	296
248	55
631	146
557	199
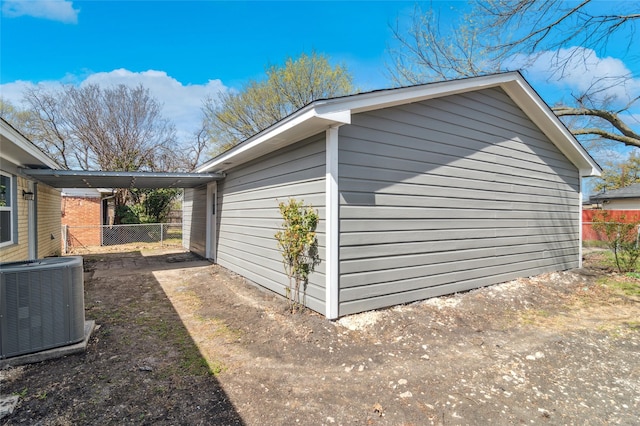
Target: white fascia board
26	146
279	135
336	117
81	192
538	111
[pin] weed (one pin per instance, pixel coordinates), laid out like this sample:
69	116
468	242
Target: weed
42	396
216	368
621	237
22	393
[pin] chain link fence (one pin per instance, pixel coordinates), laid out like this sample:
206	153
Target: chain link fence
120	237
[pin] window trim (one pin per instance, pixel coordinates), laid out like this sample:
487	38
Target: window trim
11	208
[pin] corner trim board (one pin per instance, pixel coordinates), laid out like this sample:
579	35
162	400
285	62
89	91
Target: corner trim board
332	225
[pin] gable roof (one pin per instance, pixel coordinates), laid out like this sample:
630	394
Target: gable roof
631	191
325	113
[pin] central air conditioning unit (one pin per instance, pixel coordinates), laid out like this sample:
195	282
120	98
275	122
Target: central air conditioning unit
41	305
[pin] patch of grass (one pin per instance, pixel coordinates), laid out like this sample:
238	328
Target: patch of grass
633	325
594	244
223	330
628	286
635	275
602	260
114	316
533	316
192	362
217	367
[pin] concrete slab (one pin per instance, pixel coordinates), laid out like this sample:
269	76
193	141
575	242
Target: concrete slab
8	404
52	353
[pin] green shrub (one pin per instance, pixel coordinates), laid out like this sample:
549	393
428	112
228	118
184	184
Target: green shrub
621	237
299	247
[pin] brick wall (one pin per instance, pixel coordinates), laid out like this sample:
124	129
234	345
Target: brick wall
82	216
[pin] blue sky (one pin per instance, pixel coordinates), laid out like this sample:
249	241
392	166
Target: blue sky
196	41
184	51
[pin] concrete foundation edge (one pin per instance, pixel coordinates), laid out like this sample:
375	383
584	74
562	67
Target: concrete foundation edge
52	353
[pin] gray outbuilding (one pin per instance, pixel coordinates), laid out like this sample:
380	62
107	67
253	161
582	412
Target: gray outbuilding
422	191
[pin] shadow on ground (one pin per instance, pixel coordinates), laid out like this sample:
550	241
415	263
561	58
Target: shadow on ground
141	365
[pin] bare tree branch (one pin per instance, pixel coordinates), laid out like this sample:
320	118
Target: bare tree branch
628	136
500	34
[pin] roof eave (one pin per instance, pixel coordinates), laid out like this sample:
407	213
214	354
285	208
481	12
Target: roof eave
305	123
543	117
27	153
323	114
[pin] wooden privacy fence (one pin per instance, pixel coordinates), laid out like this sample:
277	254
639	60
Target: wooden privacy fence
588	216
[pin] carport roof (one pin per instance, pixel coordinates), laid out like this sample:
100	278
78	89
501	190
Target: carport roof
100	179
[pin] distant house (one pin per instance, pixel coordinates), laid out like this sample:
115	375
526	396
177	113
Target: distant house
29	209
422	191
84	210
627	198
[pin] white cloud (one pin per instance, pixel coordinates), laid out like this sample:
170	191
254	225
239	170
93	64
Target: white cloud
13	91
578	70
181	103
54	10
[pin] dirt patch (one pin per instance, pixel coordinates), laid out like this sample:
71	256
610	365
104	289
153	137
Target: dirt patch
182	341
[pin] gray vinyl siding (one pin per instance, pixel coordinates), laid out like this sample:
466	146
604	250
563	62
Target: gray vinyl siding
249	217
194	215
187	206
448	195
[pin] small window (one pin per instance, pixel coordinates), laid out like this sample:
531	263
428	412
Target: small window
6	210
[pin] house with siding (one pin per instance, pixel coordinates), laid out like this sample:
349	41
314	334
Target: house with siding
626	198
422	191
29	209
84	211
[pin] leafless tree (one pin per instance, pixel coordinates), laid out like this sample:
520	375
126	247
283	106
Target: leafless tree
111	129
552	24
114	129
500	35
